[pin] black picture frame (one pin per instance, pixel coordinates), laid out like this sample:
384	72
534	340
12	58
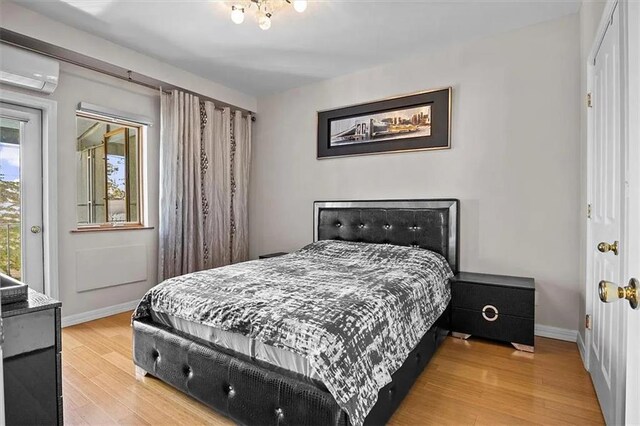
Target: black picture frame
416	122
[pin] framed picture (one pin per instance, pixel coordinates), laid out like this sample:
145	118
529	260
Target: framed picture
414	122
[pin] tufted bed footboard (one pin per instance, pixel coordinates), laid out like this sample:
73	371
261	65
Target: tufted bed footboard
253	393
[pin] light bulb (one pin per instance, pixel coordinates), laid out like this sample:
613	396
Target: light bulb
300	5
264	22
237	15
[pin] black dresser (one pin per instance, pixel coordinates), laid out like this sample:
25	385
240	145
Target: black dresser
32	361
495	307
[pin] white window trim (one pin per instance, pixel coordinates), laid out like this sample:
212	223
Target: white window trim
114	114
142	177
49	110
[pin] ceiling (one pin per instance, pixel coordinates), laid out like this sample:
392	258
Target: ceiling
331	38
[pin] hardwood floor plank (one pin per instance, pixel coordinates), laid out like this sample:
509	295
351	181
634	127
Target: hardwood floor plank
515	384
86	334
73	398
122	362
155	412
72	417
93	414
70	342
100	396
474	382
88	362
556	409
122	344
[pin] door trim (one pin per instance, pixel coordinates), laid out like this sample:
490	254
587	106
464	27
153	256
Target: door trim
49	110
30	191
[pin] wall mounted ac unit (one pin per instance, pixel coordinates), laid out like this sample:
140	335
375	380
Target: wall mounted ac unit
28	70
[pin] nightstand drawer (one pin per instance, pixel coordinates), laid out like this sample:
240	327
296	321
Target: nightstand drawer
508	300
506	328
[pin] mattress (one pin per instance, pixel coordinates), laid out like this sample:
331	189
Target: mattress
281	358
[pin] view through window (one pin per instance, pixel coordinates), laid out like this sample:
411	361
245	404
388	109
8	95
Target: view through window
10	244
108	171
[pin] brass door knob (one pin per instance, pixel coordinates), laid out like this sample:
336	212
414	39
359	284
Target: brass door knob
36	229
605	247
610	292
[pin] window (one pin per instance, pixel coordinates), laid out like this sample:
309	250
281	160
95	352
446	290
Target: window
108	170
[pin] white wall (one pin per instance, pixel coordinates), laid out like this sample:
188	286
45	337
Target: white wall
590	15
18	19
514	162
116	247
78	85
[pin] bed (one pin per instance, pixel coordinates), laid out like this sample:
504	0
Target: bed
259	362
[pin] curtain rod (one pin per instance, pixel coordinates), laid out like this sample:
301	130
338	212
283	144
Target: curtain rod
65	55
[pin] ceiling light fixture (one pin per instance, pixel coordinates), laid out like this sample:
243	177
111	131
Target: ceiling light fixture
264	21
264	10
300	5
237	14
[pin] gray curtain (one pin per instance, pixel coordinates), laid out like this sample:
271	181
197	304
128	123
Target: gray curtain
219	141
205	155
240	187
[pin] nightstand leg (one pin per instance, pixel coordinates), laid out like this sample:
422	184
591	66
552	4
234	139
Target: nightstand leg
463	336
524	348
140	373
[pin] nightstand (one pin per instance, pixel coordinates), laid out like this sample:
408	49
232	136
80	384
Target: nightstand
267	256
495	307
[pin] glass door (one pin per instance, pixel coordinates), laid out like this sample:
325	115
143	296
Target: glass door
21	244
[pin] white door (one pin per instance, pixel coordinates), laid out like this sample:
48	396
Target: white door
632	254
606	172
21	245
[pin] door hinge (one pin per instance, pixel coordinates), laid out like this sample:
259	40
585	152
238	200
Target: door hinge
589	100
588	211
587	321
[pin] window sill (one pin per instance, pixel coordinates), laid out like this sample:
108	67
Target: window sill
109	229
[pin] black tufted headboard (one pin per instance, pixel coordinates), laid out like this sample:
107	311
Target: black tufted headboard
429	224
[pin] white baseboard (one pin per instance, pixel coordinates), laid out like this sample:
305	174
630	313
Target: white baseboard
582	348
556	333
99	313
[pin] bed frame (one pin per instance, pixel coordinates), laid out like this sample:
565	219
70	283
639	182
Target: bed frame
252	392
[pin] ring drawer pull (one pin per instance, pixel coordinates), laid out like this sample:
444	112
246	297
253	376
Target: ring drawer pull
495	313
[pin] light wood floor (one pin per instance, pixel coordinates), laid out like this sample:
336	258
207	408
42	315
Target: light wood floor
473	382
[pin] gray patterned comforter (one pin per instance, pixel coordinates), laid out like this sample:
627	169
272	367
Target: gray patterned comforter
354	310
